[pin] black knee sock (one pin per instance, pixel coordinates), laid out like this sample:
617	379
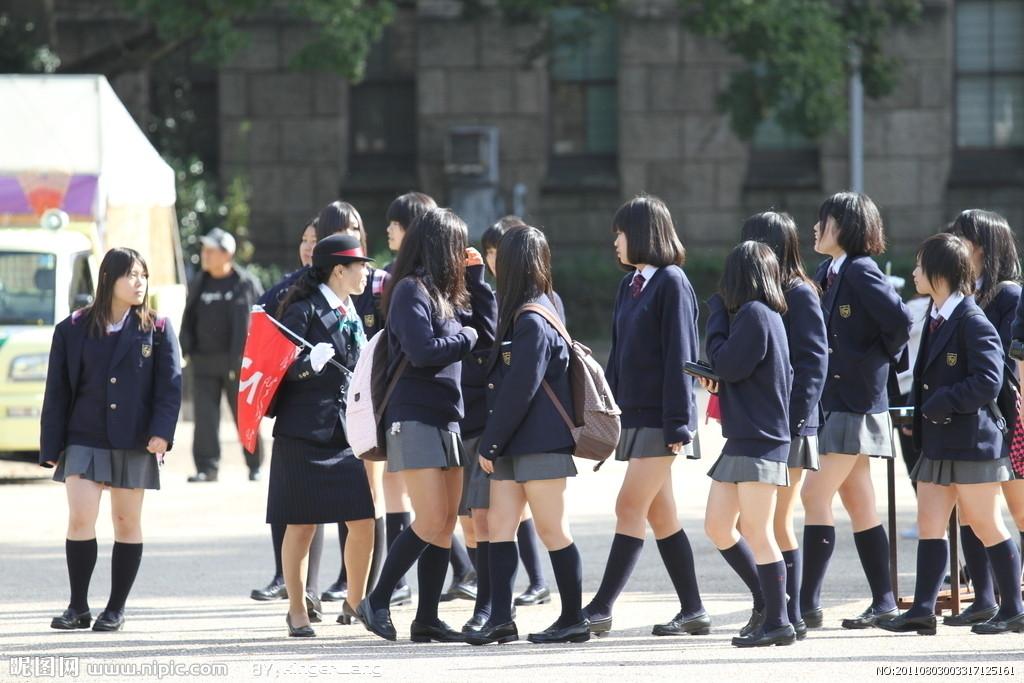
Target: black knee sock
81	559
932	560
402	555
431	570
396	523
568	568
316	551
459	559
873	548
124	566
342	537
1005	559
773	585
819	543
379	549
472	557
277	537
794	572
622	558
529	553
503	560
483	580
741	560
976	560
677	555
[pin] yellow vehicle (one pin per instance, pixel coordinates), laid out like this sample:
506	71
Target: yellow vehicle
77	177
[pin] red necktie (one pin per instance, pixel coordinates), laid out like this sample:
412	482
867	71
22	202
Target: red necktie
832	275
935	324
637	285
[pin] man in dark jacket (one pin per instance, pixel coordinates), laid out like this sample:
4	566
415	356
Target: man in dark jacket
214	327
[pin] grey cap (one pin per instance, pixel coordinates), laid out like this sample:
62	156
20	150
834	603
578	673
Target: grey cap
220	239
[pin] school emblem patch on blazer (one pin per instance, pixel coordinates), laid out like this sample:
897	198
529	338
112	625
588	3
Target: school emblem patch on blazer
147	350
951	359
845	310
506	357
369	319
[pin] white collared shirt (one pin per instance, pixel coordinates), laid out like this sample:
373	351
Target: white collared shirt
332	299
119	325
837	263
648	272
947	308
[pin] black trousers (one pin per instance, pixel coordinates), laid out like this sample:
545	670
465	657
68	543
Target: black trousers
212	378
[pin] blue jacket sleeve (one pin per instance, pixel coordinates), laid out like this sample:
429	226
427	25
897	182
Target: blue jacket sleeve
166	385
735	347
611	372
56	401
887	309
808	352
1007	304
483	315
1017	328
412	322
984	374
297	318
679	344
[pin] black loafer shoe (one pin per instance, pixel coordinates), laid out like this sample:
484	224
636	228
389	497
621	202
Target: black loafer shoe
783	635
697	625
813	617
203	477
971	616
336	592
72	619
870	617
475	623
274	590
109	620
298	631
348	615
925	625
573	633
494	633
800	628
534	595
599	626
255	475
314	609
376	621
402	596
439	632
753	623
462	588
993	626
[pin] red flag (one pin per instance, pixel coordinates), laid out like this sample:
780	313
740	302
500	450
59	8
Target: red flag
268	355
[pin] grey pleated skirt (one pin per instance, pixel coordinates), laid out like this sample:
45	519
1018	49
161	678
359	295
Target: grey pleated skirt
533	467
418	446
735	469
119	469
856	434
804	453
648	442
476	487
946	472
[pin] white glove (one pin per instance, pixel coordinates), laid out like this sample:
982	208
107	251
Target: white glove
320	354
471	334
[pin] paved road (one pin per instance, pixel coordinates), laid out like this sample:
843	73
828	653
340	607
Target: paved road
207	546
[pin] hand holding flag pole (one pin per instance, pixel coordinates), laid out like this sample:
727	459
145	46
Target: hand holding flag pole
259	309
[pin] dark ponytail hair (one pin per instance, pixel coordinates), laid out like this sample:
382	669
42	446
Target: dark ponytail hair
304	287
523	271
752	274
990	232
778	231
116	264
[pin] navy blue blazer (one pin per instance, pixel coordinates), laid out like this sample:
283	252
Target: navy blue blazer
1001	311
750	355
1017	326
808	354
522	419
868	329
482	317
311	405
958	372
143	395
272	298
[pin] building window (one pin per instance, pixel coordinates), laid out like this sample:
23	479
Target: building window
782	159
583	104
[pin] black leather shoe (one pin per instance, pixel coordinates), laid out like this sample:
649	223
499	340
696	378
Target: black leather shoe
971	616
783	635
202	477
800	628
336	592
599	626
439	632
813	617
925	625
274	590
347	614
869	617
71	619
402	596
494	633
475	623
376	621
753	623
699	625
992	626
314	609
109	620
298	631
255	475
534	595
574	633
462	588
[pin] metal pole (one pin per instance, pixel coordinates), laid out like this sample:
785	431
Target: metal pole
856	122
259	309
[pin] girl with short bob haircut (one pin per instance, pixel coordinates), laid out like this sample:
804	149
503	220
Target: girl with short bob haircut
748	350
957	377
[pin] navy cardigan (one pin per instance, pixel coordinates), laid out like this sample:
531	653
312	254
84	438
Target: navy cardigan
522	418
958	372
653	336
429	389
143	394
808	354
868	329
482	317
750	355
